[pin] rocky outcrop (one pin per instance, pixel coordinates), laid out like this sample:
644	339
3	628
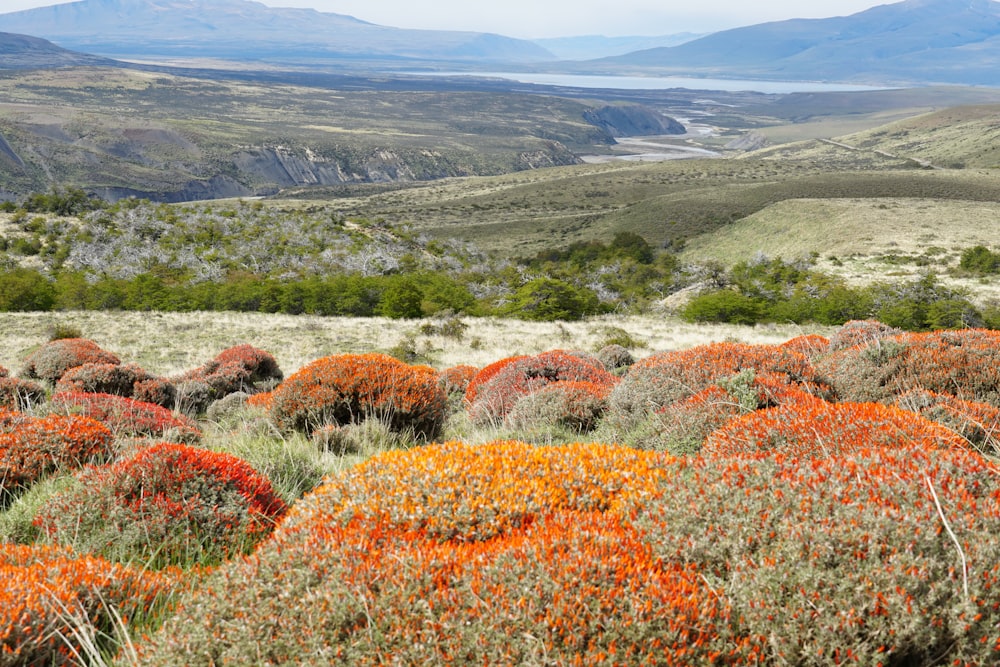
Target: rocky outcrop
633	120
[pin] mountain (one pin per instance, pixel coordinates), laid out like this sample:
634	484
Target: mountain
245	30
24	52
590	47
915	41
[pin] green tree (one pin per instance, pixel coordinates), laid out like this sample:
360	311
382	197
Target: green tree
25	290
548	299
724	306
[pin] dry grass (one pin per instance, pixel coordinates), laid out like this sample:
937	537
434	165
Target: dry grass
168	343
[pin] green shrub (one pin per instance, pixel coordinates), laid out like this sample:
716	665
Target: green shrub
724	306
549	299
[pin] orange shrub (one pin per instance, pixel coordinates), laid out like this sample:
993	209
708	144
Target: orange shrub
845	560
495	554
475	492
681	427
816	428
667	377
977	423
811	345
32	448
349	388
47	594
128	417
456	380
169	504
55	357
964	363
490	400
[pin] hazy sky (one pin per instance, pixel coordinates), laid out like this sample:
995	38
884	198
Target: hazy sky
553	18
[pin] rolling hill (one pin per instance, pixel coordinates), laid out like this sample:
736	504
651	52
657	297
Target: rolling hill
924	41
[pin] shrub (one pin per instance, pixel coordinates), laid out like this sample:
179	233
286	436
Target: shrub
31	448
724	306
347	388
129	417
169	504
456	380
576	406
965	364
4	372
681	427
118	379
841	560
18	394
242	368
667	377
54	358
860	332
811	345
977	423
156	390
814	427
615	357
52	603
506	384
495	554
550	299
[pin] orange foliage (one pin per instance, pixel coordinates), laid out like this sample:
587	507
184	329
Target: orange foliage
347	388
814	427
46	591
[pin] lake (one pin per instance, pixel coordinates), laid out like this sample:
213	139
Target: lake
662	82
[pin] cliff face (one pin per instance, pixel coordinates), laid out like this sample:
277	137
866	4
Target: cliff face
632	120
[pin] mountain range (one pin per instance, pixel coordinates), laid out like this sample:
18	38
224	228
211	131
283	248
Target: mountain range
915	41
246	30
905	43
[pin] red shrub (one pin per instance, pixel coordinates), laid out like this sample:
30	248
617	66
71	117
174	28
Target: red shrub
18	394
159	391
815	428
54	358
129	417
169	504
4	372
485	374
48	594
965	364
240	368
506	384
31	448
349	388
118	379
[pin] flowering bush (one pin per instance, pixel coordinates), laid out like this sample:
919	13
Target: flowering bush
882	555
977	423
155	390
55	357
169	504
456	380
964	363
348	388
129	417
118	379
681	427
576	406
18	394
667	377
48	595
241	368
491	400
4	372
811	345
814	427
495	554
31	448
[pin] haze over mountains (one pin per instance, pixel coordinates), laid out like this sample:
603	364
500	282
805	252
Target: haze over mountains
909	42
